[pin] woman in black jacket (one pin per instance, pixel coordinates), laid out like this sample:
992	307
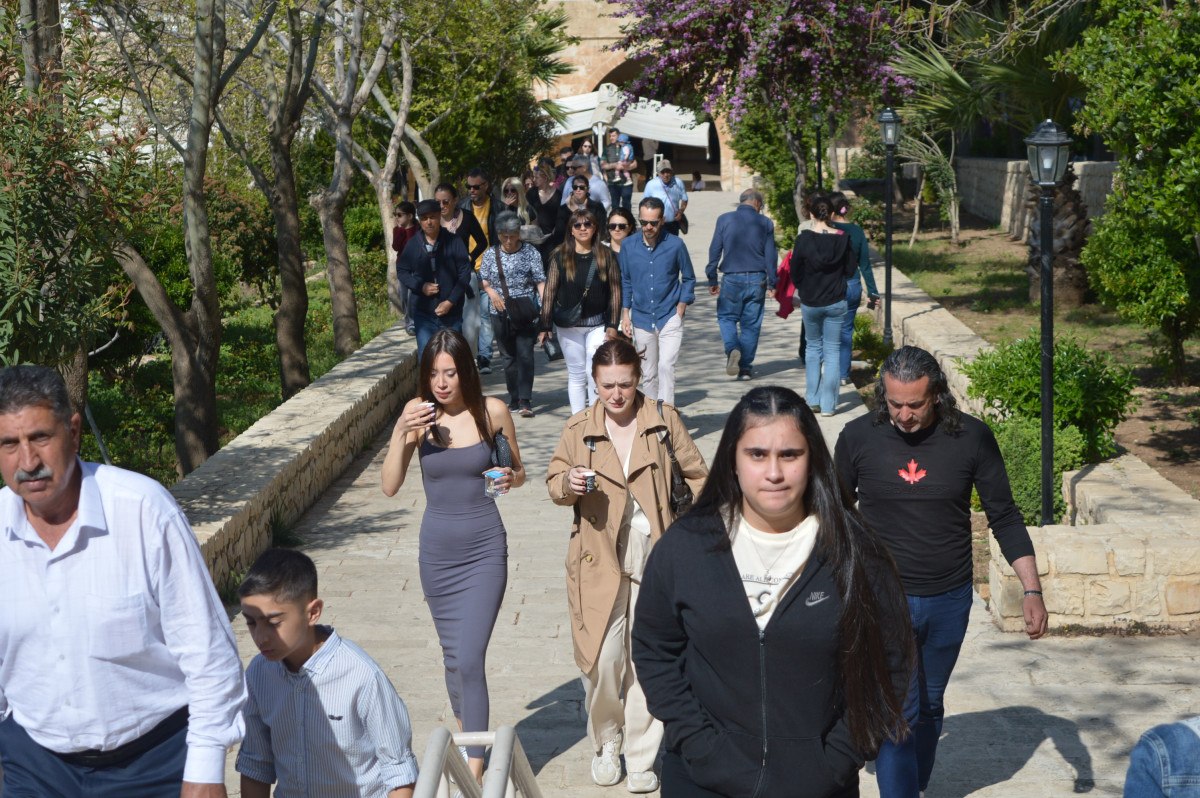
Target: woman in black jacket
771	635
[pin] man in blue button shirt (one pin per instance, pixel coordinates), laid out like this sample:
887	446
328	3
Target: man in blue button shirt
657	285
747	239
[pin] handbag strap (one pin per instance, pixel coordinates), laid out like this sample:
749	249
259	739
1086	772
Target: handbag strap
664	435
503	282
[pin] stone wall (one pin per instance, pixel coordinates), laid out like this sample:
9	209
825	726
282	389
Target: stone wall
994	189
1132	553
269	475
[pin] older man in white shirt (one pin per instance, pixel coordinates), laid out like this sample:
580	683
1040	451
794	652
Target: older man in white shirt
119	674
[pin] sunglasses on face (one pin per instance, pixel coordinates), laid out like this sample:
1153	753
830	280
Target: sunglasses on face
579	188
474	186
510	191
618	226
649	222
582	225
444	203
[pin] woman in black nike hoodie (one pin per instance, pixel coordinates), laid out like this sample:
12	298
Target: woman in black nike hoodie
779	680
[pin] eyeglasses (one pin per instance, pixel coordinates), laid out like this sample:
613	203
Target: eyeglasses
474	186
582	225
649	222
618	226
579	188
444	203
510	191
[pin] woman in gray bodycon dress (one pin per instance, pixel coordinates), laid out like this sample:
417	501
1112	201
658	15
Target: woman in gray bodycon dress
463	548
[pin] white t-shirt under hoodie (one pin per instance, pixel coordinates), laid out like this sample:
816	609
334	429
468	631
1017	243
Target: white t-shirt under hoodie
769	563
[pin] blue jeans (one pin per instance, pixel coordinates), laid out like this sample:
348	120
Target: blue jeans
1166	762
622	195
486	333
428	325
31	771
939	626
853	300
823	330
740	304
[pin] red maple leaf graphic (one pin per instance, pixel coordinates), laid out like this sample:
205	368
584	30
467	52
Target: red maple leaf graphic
911	475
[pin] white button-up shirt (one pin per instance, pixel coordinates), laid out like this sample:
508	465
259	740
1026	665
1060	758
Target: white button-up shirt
116	628
333	729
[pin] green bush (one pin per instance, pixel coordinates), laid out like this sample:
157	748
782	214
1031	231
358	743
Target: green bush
867	340
1020	441
363	232
1090	391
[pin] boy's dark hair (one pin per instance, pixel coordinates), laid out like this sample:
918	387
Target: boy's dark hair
286	574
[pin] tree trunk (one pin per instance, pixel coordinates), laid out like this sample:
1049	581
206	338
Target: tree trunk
1176	358
346	334
41	41
294	374
383	195
331	207
1071	227
912	239
799	155
75	375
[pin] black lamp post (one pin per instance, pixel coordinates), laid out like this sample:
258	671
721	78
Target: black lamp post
889	126
1048	150
819	120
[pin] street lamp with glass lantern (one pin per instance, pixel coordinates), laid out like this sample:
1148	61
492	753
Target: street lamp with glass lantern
1049	152
889	128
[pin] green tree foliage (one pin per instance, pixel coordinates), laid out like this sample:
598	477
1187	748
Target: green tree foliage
1090	391
1141	67
68	179
1020	442
760	145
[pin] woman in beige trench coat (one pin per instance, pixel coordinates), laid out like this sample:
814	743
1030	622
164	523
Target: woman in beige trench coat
620	439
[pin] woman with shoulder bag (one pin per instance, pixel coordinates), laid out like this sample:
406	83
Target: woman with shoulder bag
613	464
512	276
463	439
582	303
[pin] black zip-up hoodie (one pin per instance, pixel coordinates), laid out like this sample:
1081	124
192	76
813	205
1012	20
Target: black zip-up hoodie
821	264
752	714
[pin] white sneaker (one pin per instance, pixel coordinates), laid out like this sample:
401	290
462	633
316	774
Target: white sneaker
642	781
731	362
606	765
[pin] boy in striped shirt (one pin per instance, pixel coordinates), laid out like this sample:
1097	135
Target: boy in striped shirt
322	719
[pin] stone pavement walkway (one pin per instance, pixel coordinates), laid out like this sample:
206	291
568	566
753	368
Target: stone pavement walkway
1049	718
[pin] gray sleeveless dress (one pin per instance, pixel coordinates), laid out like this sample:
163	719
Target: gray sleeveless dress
464	569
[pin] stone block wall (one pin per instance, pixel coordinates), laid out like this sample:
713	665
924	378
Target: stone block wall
274	471
994	189
1132	553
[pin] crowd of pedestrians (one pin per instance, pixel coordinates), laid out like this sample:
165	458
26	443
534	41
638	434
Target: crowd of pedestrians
759	626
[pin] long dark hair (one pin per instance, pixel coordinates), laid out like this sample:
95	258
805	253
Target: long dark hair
909	364
453	344
848	545
566	250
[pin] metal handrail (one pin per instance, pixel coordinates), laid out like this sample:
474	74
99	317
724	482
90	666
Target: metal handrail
508	774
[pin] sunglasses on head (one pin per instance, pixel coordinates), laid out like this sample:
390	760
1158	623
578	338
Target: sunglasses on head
618	226
582	225
649	222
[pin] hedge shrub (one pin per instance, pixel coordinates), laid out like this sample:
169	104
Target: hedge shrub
1020	441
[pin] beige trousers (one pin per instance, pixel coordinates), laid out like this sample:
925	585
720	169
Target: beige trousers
611	678
661	349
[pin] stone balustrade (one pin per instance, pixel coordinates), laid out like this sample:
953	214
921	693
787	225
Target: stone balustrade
265	478
1132	553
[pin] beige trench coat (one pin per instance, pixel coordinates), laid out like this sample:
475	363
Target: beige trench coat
593	571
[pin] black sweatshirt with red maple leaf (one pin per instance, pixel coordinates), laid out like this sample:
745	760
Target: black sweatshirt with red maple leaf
915	492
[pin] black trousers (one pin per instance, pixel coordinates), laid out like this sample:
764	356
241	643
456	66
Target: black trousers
517	348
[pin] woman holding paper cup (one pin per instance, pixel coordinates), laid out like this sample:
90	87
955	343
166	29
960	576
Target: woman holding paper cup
619	445
463	554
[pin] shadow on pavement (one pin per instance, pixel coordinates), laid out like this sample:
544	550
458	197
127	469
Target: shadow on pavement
555	725
979	749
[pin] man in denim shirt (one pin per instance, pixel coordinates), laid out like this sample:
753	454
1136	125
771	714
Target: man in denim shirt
657	285
1166	762
746	238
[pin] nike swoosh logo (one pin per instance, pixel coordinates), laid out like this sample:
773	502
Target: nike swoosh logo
812	602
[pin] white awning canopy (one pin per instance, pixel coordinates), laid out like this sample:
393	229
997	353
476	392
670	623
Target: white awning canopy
647	119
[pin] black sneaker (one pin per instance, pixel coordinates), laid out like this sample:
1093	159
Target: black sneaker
745	374
513	406
485	365
526	410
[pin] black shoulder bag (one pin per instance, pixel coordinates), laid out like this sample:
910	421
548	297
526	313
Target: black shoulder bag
681	492
569	317
522	311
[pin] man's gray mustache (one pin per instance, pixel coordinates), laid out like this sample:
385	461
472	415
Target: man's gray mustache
29	476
